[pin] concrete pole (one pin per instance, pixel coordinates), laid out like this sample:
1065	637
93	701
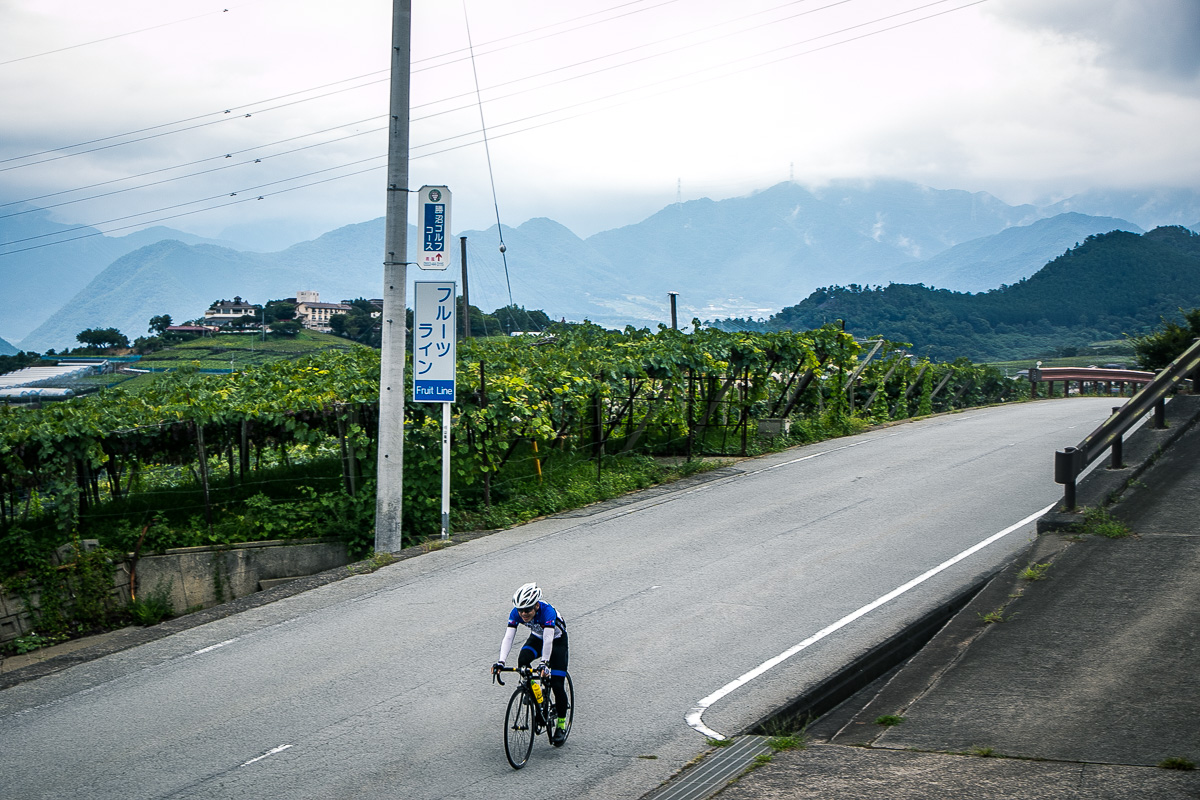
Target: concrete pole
674	317
390	469
466	303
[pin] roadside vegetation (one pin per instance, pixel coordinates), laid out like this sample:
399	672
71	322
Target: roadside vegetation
283	447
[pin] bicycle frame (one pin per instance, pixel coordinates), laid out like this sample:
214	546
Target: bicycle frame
526	677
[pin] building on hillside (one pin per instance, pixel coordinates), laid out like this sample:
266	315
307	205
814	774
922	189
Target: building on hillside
223	312
315	315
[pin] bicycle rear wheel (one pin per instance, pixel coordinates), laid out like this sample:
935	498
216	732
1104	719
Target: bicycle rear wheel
518	728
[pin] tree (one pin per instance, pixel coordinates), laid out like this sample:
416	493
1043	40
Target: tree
1159	348
159	324
358	323
276	310
517	318
102	338
18	361
285	327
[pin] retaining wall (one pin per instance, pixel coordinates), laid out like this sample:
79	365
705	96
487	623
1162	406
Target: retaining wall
199	577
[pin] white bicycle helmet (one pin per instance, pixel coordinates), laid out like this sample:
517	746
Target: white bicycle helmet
527	596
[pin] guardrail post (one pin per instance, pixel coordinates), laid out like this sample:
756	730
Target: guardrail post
1065	462
1160	414
1118	460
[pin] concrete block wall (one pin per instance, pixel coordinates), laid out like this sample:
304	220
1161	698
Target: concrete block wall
16	621
198	577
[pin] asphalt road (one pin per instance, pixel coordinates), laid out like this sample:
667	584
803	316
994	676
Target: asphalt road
377	686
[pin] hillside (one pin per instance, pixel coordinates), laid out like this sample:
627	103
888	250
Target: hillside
224	352
1110	285
6	349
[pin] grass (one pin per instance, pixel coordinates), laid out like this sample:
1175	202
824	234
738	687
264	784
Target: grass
33	641
226	351
888	720
572	483
1035	572
372	562
150	610
1176	762
794	741
1098	522
995	616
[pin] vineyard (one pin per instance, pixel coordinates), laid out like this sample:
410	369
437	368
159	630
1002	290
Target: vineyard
287	449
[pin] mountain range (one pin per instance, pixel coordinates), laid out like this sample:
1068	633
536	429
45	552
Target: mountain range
1112	285
742	257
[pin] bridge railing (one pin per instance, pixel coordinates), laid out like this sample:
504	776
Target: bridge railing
1070	462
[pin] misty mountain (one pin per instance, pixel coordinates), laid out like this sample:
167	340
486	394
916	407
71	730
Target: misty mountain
1005	257
1146	208
741	257
7	349
171	277
748	254
38	279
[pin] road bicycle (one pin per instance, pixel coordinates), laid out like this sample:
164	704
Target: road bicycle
526	717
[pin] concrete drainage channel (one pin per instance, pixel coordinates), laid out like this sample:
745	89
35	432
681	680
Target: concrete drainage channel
724	764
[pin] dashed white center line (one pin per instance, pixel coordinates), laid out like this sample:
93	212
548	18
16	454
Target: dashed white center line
212	647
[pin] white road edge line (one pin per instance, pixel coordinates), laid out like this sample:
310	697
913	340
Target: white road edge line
272	752
693	717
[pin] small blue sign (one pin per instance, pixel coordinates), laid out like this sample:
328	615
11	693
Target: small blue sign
434	392
434	219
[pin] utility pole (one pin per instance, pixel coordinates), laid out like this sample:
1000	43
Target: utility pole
466	303
390	470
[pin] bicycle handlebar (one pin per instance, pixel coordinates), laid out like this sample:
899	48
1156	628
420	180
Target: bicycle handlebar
525	672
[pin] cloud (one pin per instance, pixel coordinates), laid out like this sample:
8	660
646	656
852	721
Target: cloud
1151	40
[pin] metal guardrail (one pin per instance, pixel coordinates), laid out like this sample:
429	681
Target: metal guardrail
1070	462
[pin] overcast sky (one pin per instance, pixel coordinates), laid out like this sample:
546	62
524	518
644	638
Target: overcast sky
598	112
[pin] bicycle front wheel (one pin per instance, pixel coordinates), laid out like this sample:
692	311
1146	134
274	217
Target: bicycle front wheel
518	728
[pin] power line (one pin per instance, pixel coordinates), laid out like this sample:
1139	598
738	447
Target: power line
488	152
315	88
194	174
335	83
181	130
225	118
115	36
536	116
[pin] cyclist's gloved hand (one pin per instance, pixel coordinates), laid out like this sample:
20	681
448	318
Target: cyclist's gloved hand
544	671
499	665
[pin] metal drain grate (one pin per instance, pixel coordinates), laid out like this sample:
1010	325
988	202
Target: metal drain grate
714	772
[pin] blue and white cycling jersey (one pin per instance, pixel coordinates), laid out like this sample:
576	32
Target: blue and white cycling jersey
546	617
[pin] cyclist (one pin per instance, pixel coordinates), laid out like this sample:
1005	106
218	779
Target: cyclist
540	617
